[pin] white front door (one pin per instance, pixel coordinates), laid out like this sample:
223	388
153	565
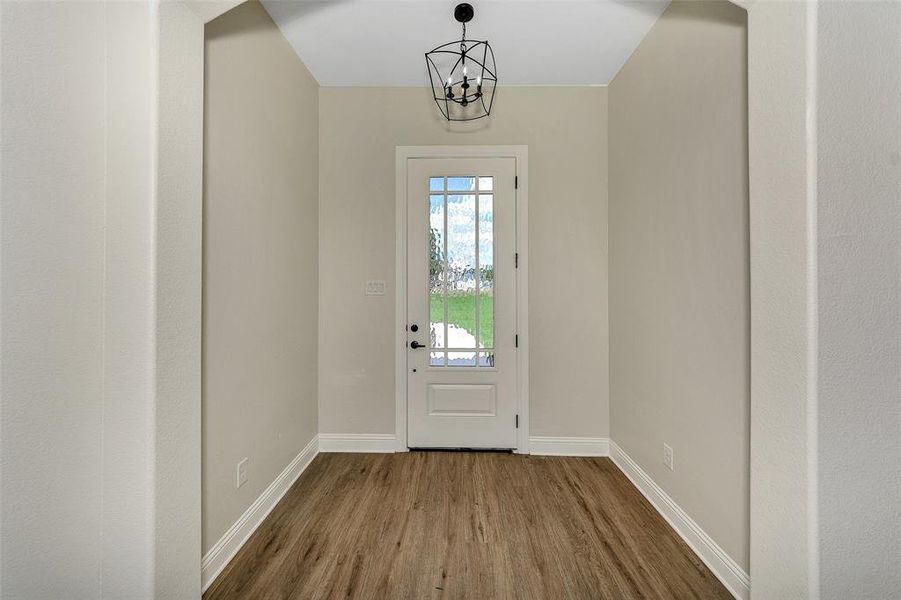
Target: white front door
461	303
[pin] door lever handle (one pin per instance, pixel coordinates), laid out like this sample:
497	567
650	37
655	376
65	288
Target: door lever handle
414	344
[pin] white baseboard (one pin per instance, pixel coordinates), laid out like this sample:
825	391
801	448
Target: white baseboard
726	570
357	442
569	446
228	545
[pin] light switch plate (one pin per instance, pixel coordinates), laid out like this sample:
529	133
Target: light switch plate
375	287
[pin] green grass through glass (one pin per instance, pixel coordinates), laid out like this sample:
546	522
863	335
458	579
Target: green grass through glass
461	312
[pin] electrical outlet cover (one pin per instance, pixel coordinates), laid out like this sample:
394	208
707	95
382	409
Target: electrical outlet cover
241	473
668	456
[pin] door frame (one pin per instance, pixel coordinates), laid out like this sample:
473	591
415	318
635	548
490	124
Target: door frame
521	155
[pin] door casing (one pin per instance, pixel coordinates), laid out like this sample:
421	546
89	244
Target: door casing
521	155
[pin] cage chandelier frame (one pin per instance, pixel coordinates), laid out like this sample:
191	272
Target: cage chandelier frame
465	91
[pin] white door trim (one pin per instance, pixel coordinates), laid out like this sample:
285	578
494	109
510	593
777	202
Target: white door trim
521	155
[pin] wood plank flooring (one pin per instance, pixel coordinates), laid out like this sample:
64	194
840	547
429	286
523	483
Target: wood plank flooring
454	525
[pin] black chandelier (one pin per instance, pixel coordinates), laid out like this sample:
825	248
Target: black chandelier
463	74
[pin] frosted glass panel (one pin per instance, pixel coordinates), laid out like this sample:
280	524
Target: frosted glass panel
461	359
486	271
461	271
486	359
461	184
437	269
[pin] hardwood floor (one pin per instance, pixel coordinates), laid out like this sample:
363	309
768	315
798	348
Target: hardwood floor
464	525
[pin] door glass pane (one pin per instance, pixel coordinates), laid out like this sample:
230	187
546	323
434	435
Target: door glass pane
461	271
461	276
461	359
461	184
437	320
486	270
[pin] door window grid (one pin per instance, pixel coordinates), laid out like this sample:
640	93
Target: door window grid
449	342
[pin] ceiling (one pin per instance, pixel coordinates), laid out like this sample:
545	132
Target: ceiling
535	42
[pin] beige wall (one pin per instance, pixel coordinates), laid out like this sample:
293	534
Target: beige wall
679	263
260	261
177	303
780	99
566	131
100	142
859	299
53	189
